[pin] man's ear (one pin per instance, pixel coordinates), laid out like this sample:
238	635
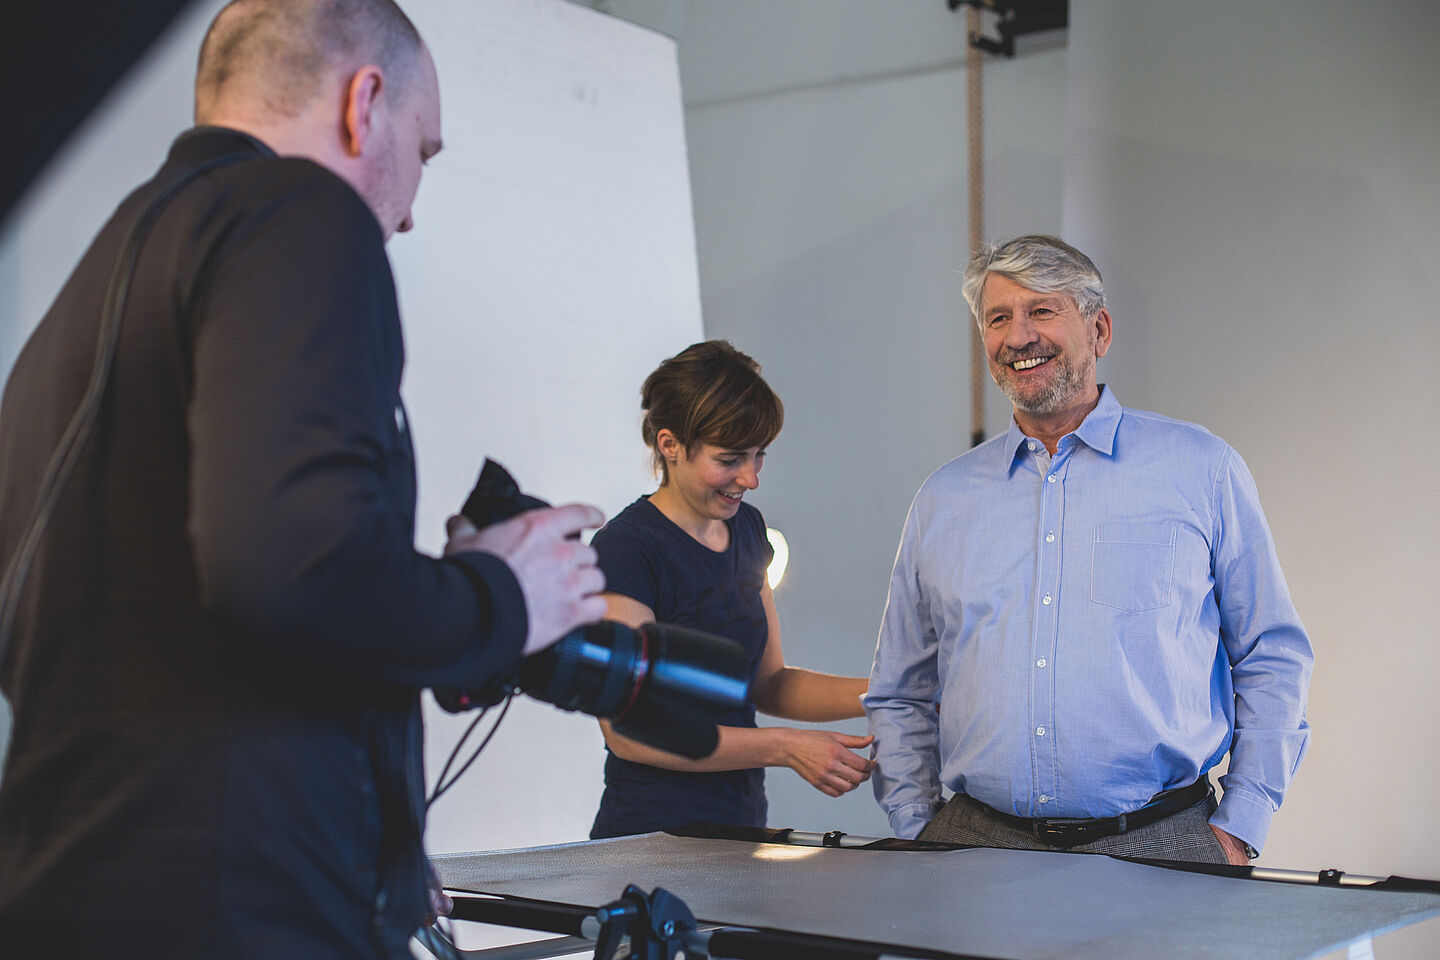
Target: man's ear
362	97
1103	332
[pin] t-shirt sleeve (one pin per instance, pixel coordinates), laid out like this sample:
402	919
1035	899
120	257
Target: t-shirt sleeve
759	536
630	561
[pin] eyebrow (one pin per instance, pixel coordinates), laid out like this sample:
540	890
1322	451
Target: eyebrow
1039	300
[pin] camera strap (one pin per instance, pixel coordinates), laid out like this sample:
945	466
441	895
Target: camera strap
77	432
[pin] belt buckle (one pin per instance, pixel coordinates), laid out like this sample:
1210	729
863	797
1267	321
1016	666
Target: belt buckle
1058	831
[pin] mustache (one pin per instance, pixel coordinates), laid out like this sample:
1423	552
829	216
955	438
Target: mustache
1030	353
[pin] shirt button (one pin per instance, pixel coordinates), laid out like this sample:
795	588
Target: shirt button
1049	538
1051	478
1031	445
1046	601
1039	731
1043	799
1041	663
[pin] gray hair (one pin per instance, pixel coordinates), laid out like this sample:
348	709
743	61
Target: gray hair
281	52
1037	262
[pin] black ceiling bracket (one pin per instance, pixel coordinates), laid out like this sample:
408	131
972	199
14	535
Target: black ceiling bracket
1016	18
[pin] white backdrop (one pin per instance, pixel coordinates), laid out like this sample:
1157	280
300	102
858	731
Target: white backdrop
552	267
1258	183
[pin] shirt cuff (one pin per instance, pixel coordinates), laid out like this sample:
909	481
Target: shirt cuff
1245	817
908	820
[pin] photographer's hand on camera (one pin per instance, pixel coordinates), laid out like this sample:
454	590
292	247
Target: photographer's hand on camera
557	575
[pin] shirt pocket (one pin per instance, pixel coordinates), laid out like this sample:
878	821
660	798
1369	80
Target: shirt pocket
1133	565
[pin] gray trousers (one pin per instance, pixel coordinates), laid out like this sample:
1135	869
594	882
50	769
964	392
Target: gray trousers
1181	836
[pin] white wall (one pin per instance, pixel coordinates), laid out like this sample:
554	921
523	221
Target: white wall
1259	183
552	267
828	163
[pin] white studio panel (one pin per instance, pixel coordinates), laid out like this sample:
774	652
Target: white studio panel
552	267
1257	182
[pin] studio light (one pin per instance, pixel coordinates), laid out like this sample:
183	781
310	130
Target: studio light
782	556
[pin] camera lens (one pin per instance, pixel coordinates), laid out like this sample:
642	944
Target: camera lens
662	685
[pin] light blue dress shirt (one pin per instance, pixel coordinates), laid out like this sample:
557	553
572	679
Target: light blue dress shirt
1070	641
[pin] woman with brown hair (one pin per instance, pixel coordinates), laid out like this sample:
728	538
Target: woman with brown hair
695	554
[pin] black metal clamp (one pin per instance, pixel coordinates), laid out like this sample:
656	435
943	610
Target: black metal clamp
658	925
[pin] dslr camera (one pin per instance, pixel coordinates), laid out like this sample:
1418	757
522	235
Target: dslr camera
663	685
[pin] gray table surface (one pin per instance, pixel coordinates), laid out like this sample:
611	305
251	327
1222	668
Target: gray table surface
1012	904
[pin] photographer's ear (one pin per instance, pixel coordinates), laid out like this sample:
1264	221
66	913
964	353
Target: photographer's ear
362	100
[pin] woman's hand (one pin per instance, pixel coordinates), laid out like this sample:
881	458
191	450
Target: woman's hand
826	759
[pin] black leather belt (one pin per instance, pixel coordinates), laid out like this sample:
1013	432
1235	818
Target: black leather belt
1062	832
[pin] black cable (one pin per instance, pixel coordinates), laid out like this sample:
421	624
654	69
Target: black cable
455	752
441	784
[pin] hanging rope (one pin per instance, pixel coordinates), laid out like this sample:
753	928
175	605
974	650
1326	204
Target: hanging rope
974	118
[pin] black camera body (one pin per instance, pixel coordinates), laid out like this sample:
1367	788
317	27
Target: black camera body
661	685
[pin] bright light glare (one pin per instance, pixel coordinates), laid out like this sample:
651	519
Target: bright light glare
777	853
782	556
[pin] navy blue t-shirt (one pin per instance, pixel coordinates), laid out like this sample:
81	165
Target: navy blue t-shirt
646	557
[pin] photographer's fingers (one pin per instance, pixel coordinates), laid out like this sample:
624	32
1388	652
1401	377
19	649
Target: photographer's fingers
557	575
459	532
568	519
562	583
459	525
591	606
440	902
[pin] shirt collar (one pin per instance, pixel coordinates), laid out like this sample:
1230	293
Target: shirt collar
1096	431
200	143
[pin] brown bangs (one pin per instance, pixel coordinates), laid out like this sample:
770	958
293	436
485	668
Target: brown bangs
740	412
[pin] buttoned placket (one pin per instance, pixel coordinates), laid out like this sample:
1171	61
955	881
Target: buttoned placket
1045	761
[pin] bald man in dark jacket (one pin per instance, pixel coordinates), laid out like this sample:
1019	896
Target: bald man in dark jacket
216	656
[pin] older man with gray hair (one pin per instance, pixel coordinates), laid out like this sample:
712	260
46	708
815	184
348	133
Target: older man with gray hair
1086	613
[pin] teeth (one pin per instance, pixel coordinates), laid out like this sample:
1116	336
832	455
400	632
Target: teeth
1027	364
731	496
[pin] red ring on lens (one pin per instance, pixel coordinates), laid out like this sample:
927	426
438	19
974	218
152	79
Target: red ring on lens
642	670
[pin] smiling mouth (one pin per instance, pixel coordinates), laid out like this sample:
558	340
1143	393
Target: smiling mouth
1029	363
731	496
